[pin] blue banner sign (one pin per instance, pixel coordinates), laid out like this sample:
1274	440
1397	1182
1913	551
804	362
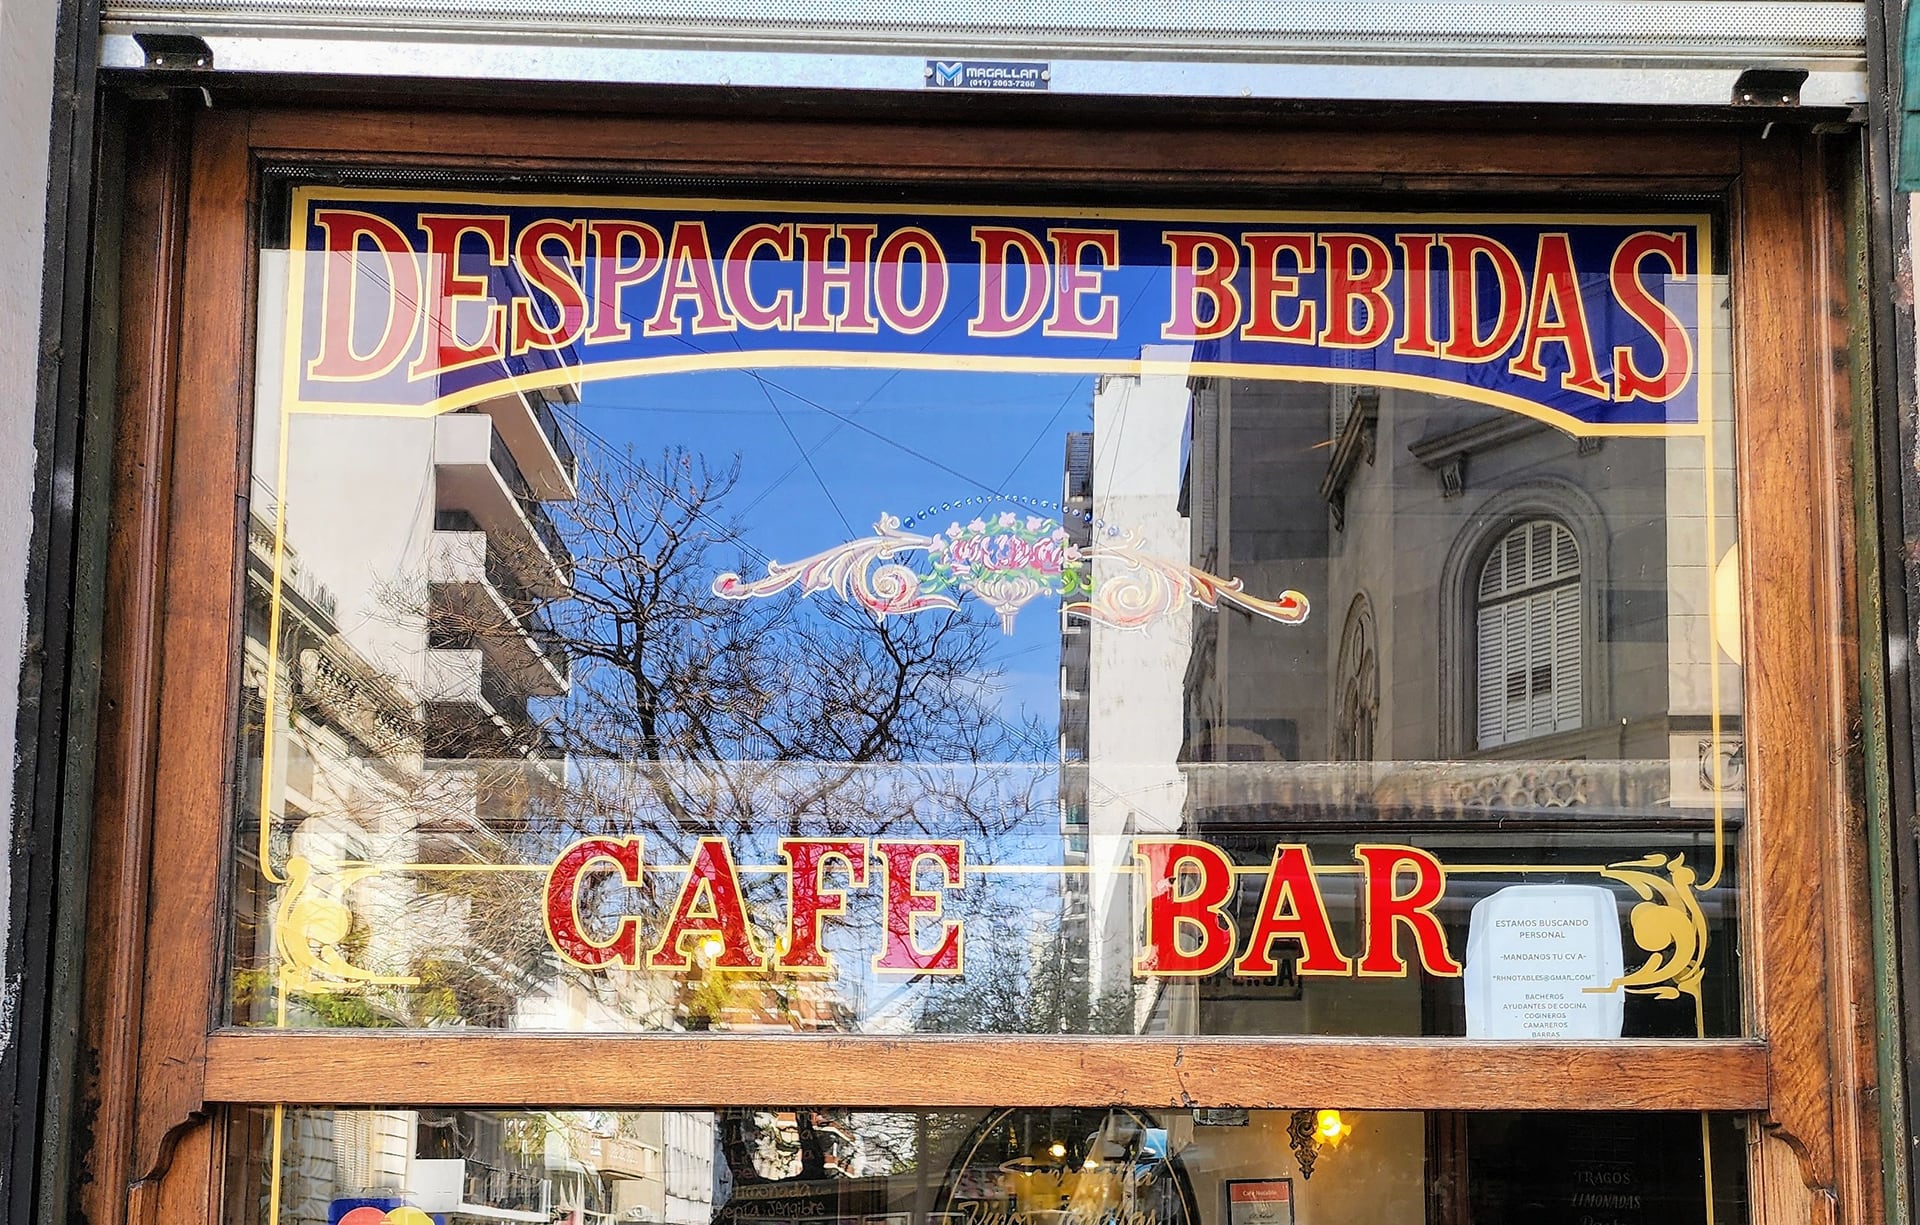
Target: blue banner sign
409	302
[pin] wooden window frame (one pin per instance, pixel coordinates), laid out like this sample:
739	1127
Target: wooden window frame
161	1068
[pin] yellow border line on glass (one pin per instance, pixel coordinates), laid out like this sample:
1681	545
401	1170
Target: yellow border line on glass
773	359
290	406
279	1156
1709	472
296	298
973	869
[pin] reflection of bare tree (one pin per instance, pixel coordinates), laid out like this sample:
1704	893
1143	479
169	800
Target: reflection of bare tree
679	714
703	693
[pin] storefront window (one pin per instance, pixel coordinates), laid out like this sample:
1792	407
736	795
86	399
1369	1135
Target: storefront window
678	615
786	1166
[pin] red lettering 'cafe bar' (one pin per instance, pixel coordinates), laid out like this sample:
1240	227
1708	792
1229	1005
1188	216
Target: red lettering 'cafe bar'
929	618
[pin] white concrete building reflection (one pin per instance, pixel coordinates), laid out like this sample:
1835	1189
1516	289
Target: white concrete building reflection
403	618
1121	688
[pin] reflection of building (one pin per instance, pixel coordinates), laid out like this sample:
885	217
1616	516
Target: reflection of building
452	651
1487	587
494	558
655	1167
1074	937
1520	612
412	648
437	557
348	753
1250	493
1133	781
464	1167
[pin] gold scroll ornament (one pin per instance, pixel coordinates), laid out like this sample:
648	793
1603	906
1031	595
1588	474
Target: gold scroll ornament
310	920
1668	925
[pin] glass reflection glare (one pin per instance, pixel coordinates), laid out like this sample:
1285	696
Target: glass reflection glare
1146	699
1061	1166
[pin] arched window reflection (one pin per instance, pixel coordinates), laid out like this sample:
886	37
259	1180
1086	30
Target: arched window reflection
1358	696
1527	635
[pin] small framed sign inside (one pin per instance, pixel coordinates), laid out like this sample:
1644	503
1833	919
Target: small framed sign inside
1260	1201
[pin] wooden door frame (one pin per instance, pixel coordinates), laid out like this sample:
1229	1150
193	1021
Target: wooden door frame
159	875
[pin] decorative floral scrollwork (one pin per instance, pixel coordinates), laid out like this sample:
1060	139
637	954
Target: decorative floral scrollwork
862	570
310	920
1151	587
1008	561
1669	926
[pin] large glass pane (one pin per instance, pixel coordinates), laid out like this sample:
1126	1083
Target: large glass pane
1101	1166
678	615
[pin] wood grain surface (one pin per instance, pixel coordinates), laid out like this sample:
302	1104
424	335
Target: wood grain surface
684	1070
1186	156
192	751
1805	884
154	222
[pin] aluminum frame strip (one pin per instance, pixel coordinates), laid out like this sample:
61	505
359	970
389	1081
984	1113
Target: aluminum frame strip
1083	26
1708	80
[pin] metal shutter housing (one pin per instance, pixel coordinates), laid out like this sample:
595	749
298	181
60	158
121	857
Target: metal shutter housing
1624	52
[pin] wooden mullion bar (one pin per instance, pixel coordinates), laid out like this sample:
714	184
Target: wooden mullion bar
676	1070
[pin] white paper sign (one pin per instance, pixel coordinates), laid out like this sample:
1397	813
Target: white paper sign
1532	950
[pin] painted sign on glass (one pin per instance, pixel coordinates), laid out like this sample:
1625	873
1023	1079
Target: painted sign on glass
429	303
671	614
1007	561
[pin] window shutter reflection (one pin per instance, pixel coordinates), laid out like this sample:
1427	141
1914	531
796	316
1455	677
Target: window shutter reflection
1528	636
